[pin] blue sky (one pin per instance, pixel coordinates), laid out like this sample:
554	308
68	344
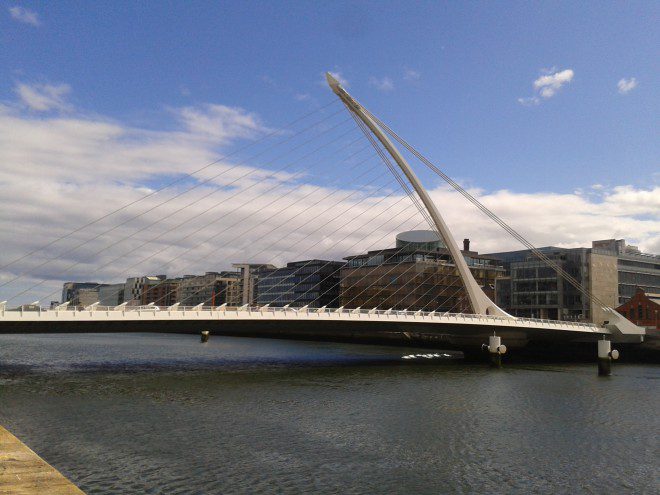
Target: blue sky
547	111
467	64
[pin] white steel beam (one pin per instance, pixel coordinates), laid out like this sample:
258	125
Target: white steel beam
480	302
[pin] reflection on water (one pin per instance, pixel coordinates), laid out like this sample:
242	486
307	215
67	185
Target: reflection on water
148	413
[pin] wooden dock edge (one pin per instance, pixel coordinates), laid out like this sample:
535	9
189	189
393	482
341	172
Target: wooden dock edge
23	472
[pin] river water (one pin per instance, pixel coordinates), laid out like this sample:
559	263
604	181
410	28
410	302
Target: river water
163	413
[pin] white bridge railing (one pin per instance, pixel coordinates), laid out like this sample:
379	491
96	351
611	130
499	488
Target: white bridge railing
99	313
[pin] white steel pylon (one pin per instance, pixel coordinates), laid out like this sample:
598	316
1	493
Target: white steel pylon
480	302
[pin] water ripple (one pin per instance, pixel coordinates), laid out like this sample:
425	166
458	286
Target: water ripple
149	414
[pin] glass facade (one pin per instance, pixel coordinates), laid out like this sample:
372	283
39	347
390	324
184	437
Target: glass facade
638	271
535	290
313	283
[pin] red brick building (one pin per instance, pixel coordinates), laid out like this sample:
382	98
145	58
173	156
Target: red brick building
642	309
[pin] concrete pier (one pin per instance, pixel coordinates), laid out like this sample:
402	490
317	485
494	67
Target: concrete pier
22	472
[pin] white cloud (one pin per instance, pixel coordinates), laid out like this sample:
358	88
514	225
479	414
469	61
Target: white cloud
59	173
566	220
302	96
44	97
626	85
382	84
628	200
411	74
528	102
547	85
24	15
220	123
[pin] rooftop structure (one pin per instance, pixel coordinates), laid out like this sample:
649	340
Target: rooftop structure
425	240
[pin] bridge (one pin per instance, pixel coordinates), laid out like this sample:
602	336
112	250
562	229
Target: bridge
483	323
456	328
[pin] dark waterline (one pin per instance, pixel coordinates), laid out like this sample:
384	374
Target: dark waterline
152	413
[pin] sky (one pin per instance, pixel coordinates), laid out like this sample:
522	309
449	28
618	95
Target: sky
546	111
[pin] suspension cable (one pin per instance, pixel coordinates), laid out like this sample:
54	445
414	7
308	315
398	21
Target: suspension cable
537	252
401	181
165	186
176	227
181	193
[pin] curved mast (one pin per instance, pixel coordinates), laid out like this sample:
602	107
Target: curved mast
480	302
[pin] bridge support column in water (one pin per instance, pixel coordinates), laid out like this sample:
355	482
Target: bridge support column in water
605	357
495	350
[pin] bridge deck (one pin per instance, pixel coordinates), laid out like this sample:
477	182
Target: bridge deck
154	314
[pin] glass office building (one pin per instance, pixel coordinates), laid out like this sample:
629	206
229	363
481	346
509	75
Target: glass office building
312	283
